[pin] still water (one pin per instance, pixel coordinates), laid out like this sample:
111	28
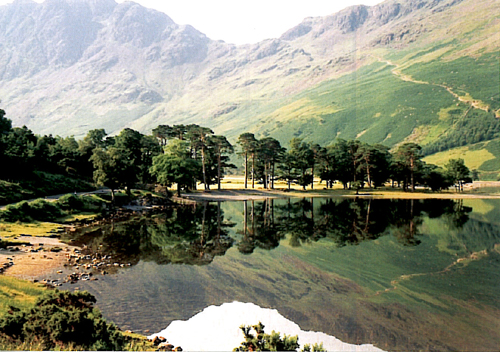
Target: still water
398	274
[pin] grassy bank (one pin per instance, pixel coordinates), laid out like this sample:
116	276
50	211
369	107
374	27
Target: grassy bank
39	185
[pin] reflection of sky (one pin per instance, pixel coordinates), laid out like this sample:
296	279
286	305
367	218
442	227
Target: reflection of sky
217	329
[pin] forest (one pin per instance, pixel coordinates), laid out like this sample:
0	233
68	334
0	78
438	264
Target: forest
186	155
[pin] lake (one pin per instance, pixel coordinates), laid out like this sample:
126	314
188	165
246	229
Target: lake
398	274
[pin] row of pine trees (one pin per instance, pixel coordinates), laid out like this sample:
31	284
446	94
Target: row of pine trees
189	154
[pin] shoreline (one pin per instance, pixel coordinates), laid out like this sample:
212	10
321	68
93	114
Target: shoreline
261	194
33	259
36	260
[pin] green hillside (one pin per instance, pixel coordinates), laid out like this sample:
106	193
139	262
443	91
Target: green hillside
376	105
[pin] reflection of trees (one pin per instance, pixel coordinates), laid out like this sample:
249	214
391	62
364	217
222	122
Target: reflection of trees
407	218
353	221
180	235
298	222
259	227
192	235
197	234
346	222
455	213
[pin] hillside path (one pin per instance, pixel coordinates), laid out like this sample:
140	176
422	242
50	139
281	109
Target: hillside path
477	104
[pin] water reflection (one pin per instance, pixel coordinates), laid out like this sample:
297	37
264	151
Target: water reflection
195	235
345	222
401	274
182	235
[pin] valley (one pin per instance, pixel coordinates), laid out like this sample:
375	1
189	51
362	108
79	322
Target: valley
342	177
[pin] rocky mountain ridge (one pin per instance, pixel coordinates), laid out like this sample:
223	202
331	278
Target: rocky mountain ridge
67	66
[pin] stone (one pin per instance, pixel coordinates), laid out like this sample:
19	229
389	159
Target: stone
165	346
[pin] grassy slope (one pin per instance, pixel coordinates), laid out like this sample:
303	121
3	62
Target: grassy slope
377	105
484	157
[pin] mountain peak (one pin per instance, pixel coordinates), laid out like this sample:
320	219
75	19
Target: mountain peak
68	66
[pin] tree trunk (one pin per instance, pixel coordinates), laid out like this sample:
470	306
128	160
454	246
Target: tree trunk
368	176
253	170
265	175
312	171
218	170
272	176
246	170
412	175
203	167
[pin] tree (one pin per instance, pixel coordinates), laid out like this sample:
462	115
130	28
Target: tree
373	162
434	177
64	154
317	152
287	170
175	165
220	145
270	152
249	146
5	123
163	133
409	155
326	165
340	153
304	157
149	149
458	173
353	149
113	169
94	139
19	152
139	150
198	136
475	175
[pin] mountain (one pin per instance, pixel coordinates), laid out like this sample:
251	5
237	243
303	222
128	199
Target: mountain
403	70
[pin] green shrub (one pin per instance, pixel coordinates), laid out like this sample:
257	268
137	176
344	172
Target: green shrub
44	210
71	202
61	319
38	209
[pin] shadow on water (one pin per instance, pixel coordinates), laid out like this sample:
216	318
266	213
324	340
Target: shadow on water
395	273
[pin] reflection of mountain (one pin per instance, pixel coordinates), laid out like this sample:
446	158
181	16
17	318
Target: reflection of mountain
371	286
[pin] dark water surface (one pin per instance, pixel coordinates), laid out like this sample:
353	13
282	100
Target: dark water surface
399	274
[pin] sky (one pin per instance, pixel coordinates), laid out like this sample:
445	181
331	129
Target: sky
244	21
